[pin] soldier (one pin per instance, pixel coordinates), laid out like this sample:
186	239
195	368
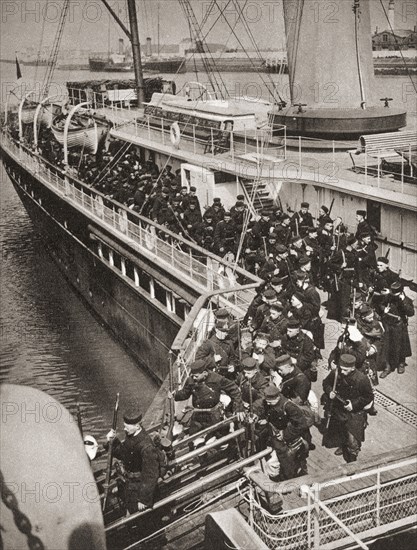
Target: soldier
300	347
346	401
217	209
324	216
384	278
251	382
225	235
372	329
192	218
300	310
275	323
398	308
261	228
342	268
269	298
160	201
302	220
205	387
140	460
353	343
286	428
218	350
191	197
296	386
297	250
363	226
238	213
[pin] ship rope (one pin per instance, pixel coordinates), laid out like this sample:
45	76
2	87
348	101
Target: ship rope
22	522
54	52
398	46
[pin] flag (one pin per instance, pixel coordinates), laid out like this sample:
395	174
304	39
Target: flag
18	71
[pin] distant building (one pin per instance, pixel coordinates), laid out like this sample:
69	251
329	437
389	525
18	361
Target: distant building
399	39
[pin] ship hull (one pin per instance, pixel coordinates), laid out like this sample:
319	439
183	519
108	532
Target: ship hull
133	317
97	65
165	65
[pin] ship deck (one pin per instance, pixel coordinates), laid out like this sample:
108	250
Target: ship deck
330	169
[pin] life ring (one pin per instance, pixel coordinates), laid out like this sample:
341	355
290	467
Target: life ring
175	134
98	205
122	220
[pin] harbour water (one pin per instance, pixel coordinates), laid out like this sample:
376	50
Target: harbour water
49	338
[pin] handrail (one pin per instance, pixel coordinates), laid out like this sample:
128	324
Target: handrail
199	303
199	484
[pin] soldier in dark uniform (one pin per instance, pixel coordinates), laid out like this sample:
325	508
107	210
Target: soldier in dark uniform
295	385
251	382
384	277
323	216
217	209
225	235
398	308
363	226
302	220
160	201
218	350
353	343
205	387
286	428
342	268
261	228
238	213
372	329
140	460
347	401
192	218
275	323
301	347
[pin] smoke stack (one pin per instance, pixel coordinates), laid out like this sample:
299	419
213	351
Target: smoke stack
391	14
121	46
149	46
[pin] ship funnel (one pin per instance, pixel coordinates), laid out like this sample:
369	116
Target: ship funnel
121	46
149	46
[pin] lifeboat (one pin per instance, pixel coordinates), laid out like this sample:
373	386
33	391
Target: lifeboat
84	131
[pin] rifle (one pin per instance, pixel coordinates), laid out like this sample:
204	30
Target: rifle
353	304
251	441
331	207
336	375
110	454
387	252
79	420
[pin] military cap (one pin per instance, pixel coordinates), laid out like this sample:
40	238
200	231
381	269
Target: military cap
192	188
227	214
365	235
272	236
396	287
283	360
277	306
165	190
278	280
168	167
312	230
239	204
176	199
285	217
350	240
383	260
304	260
281	249
365	310
348	361
270	294
249	363
262	336
361	213
271	392
324	208
217	200
296	239
192	203
305	205
275	343
293	323
184	188
222	325
132	416
326	220
222	313
198	366
240	198
300	296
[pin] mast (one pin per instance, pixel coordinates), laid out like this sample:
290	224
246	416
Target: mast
137	62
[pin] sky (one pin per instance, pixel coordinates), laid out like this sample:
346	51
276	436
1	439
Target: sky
32	23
